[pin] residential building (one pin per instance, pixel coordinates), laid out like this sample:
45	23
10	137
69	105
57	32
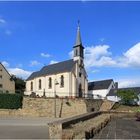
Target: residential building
100	89
7	84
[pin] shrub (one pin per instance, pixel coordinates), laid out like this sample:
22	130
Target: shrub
128	97
10	101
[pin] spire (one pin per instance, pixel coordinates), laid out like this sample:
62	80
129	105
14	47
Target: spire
78	37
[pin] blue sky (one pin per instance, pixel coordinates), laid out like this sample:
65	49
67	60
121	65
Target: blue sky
34	34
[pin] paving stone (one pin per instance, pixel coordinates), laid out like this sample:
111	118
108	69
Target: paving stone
120	128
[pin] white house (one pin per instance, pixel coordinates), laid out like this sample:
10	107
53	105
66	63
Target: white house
100	89
7	84
63	79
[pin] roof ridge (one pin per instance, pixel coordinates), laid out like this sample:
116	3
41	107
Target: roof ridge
102	80
56	63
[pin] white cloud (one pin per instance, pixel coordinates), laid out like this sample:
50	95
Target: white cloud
128	82
45	55
95	71
34	63
100	56
19	72
16	71
5	64
71	54
2	21
132	56
53	62
97	56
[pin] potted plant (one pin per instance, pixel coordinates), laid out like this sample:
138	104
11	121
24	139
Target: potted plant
138	114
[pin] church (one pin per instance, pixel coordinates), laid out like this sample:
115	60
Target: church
63	79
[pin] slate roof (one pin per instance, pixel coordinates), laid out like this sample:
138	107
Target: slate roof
60	67
96	85
112	92
135	89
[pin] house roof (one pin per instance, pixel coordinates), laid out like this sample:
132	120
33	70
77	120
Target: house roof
96	85
5	69
112	92
135	89
60	67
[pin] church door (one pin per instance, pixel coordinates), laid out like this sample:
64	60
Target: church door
80	91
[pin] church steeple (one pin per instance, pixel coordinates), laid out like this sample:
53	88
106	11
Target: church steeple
78	37
78	47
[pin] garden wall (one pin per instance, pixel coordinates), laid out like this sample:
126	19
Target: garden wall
46	107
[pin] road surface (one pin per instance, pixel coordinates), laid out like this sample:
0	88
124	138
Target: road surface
24	128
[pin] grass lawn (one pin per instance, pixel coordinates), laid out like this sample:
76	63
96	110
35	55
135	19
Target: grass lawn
118	107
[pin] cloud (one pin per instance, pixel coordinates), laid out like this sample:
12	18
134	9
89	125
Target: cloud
100	56
128	82
53	62
19	72
2	21
5	64
16	71
45	55
132	56
95	71
34	63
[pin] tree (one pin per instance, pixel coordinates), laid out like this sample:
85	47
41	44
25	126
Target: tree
19	84
128	97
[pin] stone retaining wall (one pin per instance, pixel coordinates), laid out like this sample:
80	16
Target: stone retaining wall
40	107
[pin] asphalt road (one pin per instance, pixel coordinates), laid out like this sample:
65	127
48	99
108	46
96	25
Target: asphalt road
24	128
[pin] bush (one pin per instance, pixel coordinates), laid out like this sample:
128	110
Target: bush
10	101
128	97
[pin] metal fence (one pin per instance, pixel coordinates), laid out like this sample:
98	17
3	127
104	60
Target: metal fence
57	94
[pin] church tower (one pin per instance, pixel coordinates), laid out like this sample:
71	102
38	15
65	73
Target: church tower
78	48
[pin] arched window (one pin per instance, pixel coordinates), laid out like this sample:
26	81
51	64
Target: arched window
50	82
39	84
62	81
31	86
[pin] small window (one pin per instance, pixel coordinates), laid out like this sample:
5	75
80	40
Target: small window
0	85
50	82
1	76
31	86
62	81
80	74
0	69
39	84
76	52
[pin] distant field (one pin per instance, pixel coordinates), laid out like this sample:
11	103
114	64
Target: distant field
118	107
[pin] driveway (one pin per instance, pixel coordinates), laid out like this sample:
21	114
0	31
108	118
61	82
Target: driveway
24	128
120	128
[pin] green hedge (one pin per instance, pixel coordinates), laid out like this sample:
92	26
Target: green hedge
10	101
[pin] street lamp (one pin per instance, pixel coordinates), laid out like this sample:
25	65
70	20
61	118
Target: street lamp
55	83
